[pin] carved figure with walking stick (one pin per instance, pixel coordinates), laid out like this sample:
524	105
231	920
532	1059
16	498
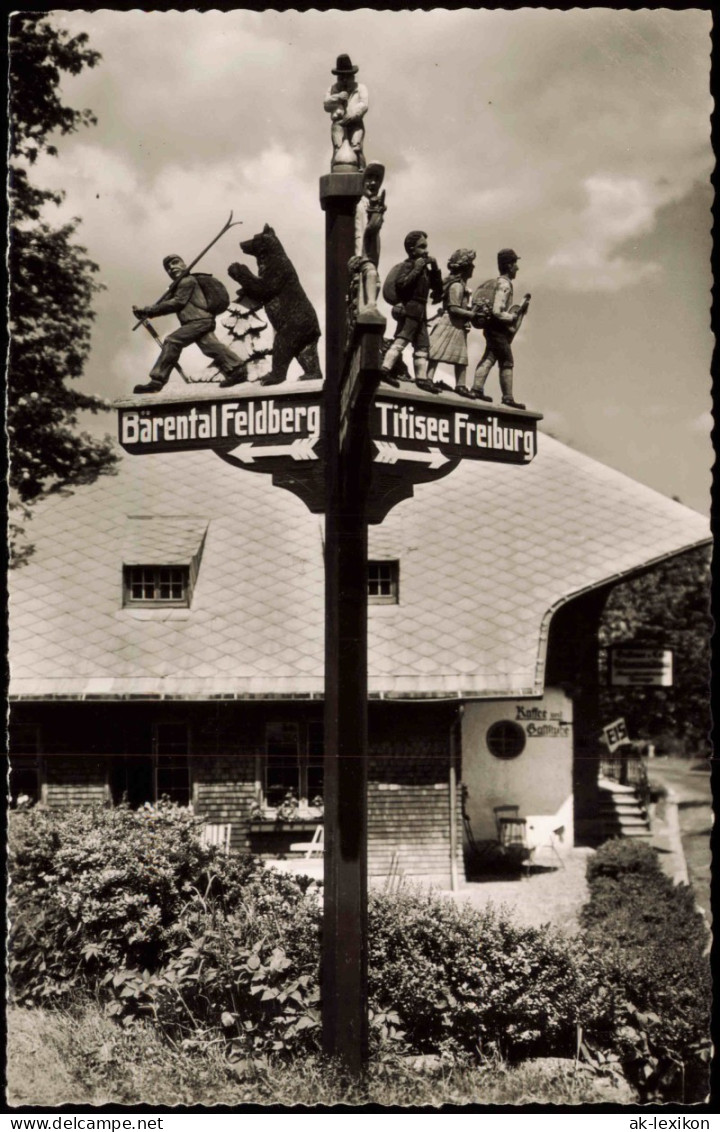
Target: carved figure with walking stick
196	299
500	324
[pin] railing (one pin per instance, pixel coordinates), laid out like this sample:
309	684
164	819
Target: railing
628	770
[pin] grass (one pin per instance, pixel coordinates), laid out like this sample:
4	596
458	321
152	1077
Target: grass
86	1059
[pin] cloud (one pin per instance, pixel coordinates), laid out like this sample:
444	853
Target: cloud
129	225
617	210
554	422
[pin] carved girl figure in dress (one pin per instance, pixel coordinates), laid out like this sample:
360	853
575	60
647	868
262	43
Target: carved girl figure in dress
448	338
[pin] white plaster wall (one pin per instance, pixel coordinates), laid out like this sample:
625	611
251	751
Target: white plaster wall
539	780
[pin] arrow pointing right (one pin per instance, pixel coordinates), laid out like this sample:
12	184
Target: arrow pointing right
389	453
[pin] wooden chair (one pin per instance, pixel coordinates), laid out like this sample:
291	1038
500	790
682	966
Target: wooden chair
555	837
217	835
503	812
513	838
308	848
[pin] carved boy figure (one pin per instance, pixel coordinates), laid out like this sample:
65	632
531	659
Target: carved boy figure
363	291
364	284
346	102
418	278
501	329
370	214
197	324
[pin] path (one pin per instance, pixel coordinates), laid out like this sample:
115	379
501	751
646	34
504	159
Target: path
548	896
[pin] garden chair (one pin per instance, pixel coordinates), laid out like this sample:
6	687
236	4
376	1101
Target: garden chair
503	812
555	837
219	835
513	838
308	848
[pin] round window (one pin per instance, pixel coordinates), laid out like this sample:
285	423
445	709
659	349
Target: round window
506	739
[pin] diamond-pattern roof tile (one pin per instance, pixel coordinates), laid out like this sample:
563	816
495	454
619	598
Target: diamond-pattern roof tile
485	555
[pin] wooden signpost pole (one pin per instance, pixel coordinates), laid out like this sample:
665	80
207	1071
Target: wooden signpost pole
344	950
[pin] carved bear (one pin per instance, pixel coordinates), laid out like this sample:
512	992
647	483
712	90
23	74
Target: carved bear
289	311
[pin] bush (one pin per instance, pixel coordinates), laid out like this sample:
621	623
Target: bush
470	981
652	940
129	906
97	890
622	858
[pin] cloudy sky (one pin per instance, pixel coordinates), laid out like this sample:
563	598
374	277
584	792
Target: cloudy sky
580	138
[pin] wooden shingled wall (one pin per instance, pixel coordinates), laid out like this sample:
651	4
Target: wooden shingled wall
75	781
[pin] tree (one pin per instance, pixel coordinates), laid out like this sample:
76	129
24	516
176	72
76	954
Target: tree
667	607
52	282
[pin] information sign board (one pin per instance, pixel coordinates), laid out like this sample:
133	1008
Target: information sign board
616	734
630	666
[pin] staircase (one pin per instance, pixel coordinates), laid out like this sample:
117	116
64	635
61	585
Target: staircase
620	811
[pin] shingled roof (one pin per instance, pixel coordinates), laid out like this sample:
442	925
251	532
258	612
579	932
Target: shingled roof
486	555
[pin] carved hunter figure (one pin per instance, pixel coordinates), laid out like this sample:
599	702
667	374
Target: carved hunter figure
346	102
500	327
196	299
289	311
448	337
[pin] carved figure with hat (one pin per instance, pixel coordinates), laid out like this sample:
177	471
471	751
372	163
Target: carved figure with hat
500	324
346	102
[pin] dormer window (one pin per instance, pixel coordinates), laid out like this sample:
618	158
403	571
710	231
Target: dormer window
161	560
157	585
383	582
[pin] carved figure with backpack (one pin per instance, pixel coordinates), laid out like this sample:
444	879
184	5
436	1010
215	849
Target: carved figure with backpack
407	288
500	321
196	299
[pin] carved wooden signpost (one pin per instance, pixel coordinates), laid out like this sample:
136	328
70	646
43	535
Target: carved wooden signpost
351	447
415	437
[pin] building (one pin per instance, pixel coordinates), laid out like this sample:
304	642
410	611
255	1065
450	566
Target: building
167	639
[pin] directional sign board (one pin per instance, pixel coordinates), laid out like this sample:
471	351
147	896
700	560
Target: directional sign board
254	425
411	425
416	436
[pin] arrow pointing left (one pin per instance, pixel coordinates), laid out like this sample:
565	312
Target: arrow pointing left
302	448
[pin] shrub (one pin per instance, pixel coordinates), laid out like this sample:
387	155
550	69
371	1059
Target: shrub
95	890
621	858
131	907
651	938
471	981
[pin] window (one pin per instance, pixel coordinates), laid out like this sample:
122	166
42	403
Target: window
24	779
294	764
159	767
172	768
315	762
282	762
157	585
383	582
161	559
505	739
